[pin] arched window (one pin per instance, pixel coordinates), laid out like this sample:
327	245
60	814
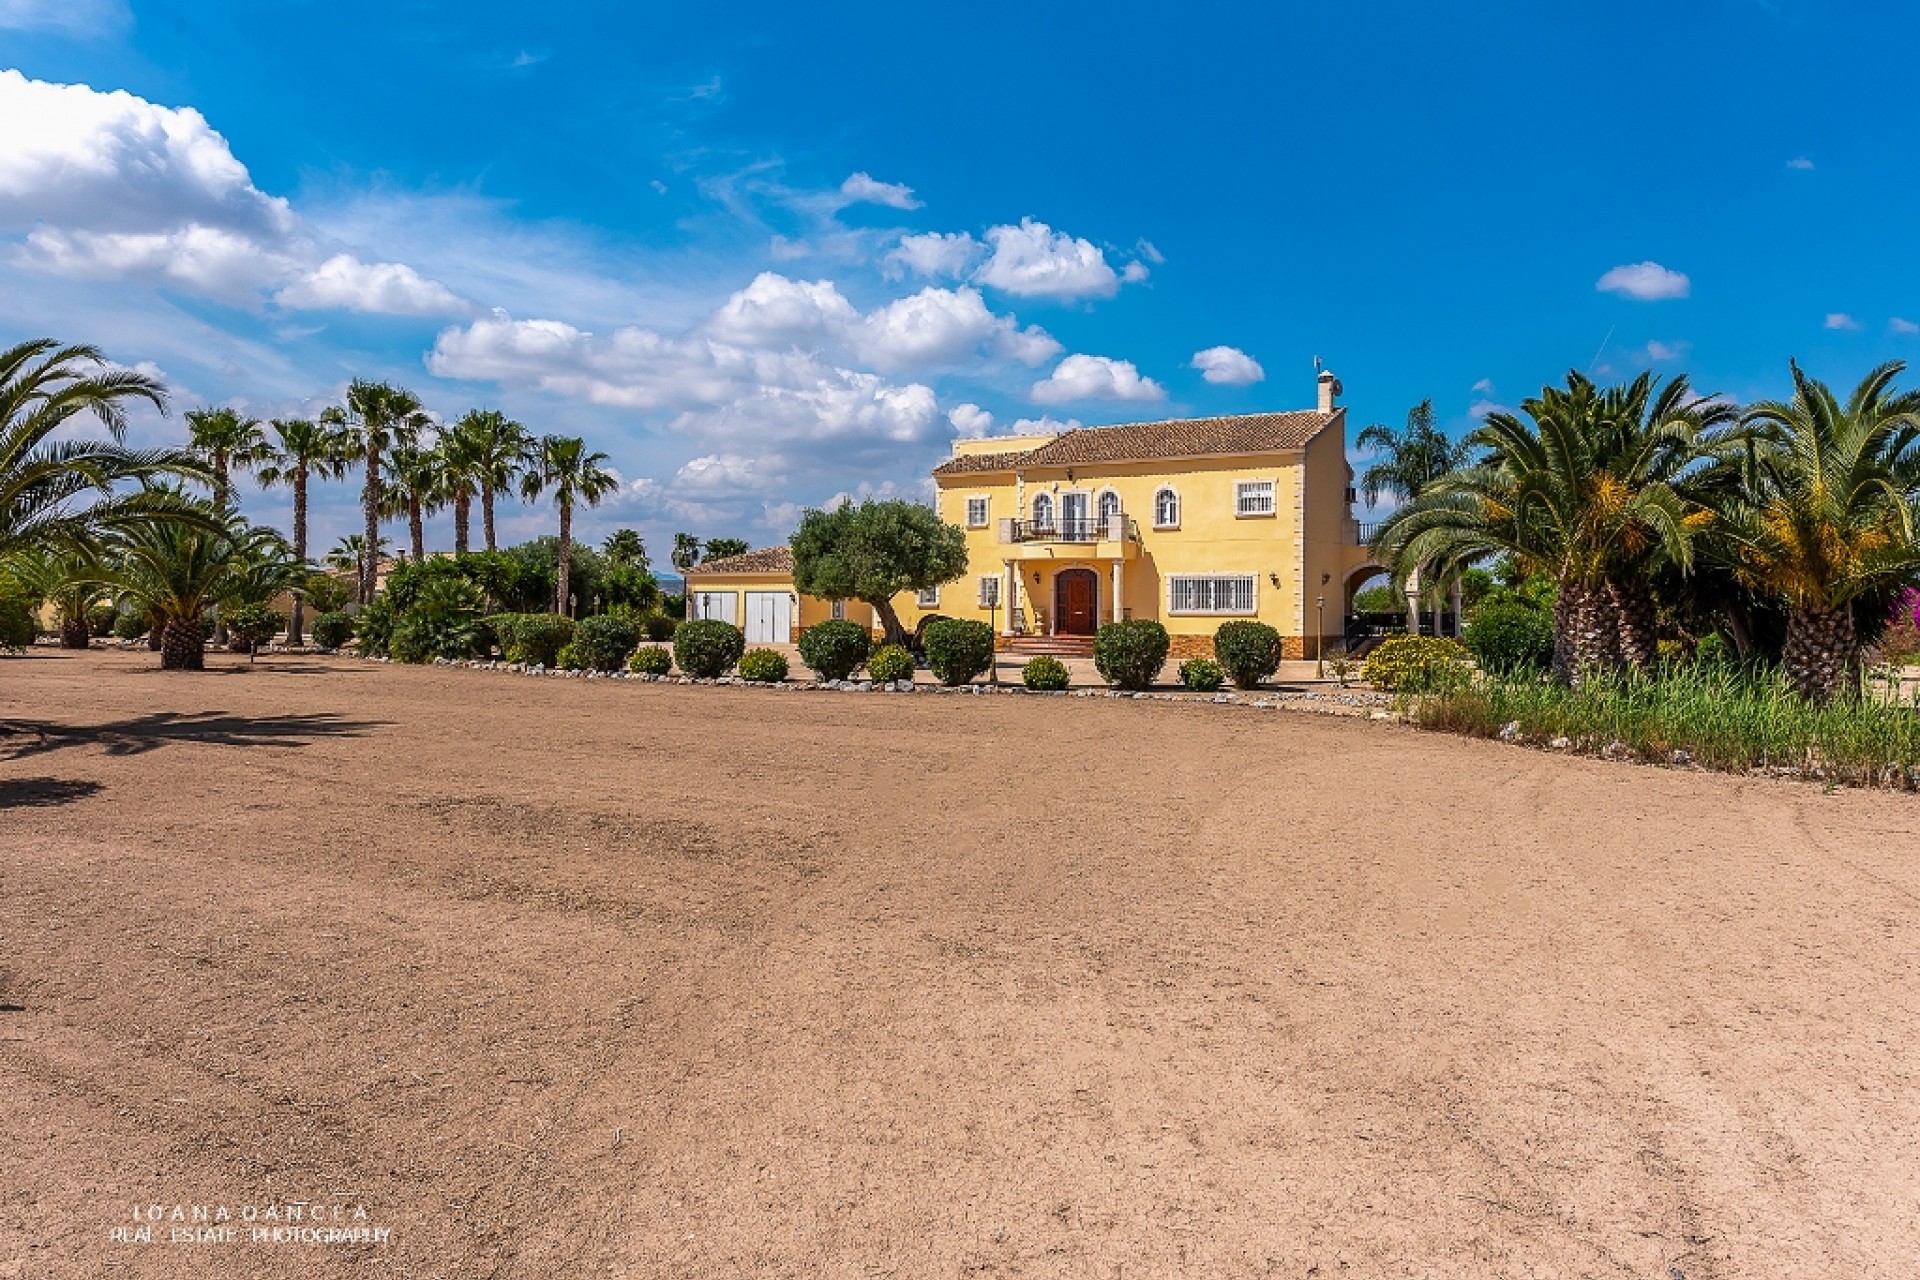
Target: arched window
1109	508
1166	509
1043	511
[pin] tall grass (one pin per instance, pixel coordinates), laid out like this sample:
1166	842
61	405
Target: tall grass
1719	717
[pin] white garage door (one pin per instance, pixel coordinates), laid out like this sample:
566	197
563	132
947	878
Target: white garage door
718	605
769	617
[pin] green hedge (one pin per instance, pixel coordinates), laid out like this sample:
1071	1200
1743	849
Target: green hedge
1044	674
1510	638
1130	654
532	637
891	664
834	649
1247	651
763	666
1202	675
251	625
651	660
604	642
958	649
707	647
331	630
1416	664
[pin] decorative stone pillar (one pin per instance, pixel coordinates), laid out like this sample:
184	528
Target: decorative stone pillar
1011	590
1118	613
1453	602
1413	602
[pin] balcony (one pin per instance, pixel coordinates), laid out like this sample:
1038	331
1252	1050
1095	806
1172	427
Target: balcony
1084	530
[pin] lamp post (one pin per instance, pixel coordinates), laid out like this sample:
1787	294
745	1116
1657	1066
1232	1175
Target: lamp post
1320	639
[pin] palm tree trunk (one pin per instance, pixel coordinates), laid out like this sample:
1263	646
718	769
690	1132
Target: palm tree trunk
299	548
1822	653
1639	632
1586	633
370	508
183	645
73	629
486	513
221	494
414	530
462	518
156	633
566	556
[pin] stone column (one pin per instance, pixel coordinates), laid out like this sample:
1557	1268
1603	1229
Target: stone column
1118	565
1011	592
1413	602
1453	602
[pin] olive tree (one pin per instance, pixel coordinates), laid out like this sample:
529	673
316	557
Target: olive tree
873	552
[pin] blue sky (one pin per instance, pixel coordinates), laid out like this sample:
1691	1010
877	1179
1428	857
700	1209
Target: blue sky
765	258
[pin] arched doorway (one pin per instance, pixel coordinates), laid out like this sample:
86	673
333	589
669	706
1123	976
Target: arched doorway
1076	602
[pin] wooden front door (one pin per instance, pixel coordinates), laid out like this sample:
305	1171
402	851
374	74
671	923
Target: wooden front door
1076	602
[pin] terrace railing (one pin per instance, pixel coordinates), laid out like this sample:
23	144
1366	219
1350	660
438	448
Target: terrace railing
1077	529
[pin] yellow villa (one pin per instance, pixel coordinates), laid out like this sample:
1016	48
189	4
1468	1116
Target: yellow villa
1192	522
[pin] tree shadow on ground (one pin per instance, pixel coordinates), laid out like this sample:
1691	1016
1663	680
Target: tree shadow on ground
24	739
44	793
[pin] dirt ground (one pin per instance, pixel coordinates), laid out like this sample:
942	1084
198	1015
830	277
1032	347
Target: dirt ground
555	978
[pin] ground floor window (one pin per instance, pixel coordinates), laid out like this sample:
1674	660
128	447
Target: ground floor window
1210	593
989	590
840	610
929	598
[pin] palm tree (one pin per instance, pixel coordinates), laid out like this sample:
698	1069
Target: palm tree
178	570
416	492
376	419
457	483
227	441
1409	460
1406	463
686	552
60	494
625	549
1832	514
71	579
305	451
1585	491
574	475
350	553
492	451
721	548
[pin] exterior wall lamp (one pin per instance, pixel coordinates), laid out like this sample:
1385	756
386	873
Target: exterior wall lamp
1274	578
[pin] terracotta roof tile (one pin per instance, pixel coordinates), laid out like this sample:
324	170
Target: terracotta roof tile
765	560
1150	441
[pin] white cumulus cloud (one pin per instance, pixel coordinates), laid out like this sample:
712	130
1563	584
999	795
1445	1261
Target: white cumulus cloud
864	189
1841	320
344	283
938	327
1800	162
1660	352
1033	260
1228	366
1645	282
777	311
970	421
935	253
1083	377
1899	325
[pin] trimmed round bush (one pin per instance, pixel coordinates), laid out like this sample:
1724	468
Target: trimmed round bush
1510	638
250	625
763	666
532	637
650	660
604	642
1044	674
958	649
891	664
1247	651
659	627
1203	675
1130	654
331	630
130	624
100	619
1416	664
707	647
17	622
834	649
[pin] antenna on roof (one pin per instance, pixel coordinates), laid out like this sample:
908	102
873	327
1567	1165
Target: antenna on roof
1316	364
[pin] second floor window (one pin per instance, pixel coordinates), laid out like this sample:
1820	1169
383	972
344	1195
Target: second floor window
1109	508
1043	511
976	513
1253	498
1166	509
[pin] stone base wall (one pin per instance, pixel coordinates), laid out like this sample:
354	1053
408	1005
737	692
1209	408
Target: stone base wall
1292	648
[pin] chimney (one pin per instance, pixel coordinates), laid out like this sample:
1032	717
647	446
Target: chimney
1329	388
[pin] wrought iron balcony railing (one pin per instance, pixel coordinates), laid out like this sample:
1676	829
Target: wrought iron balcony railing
1080	529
